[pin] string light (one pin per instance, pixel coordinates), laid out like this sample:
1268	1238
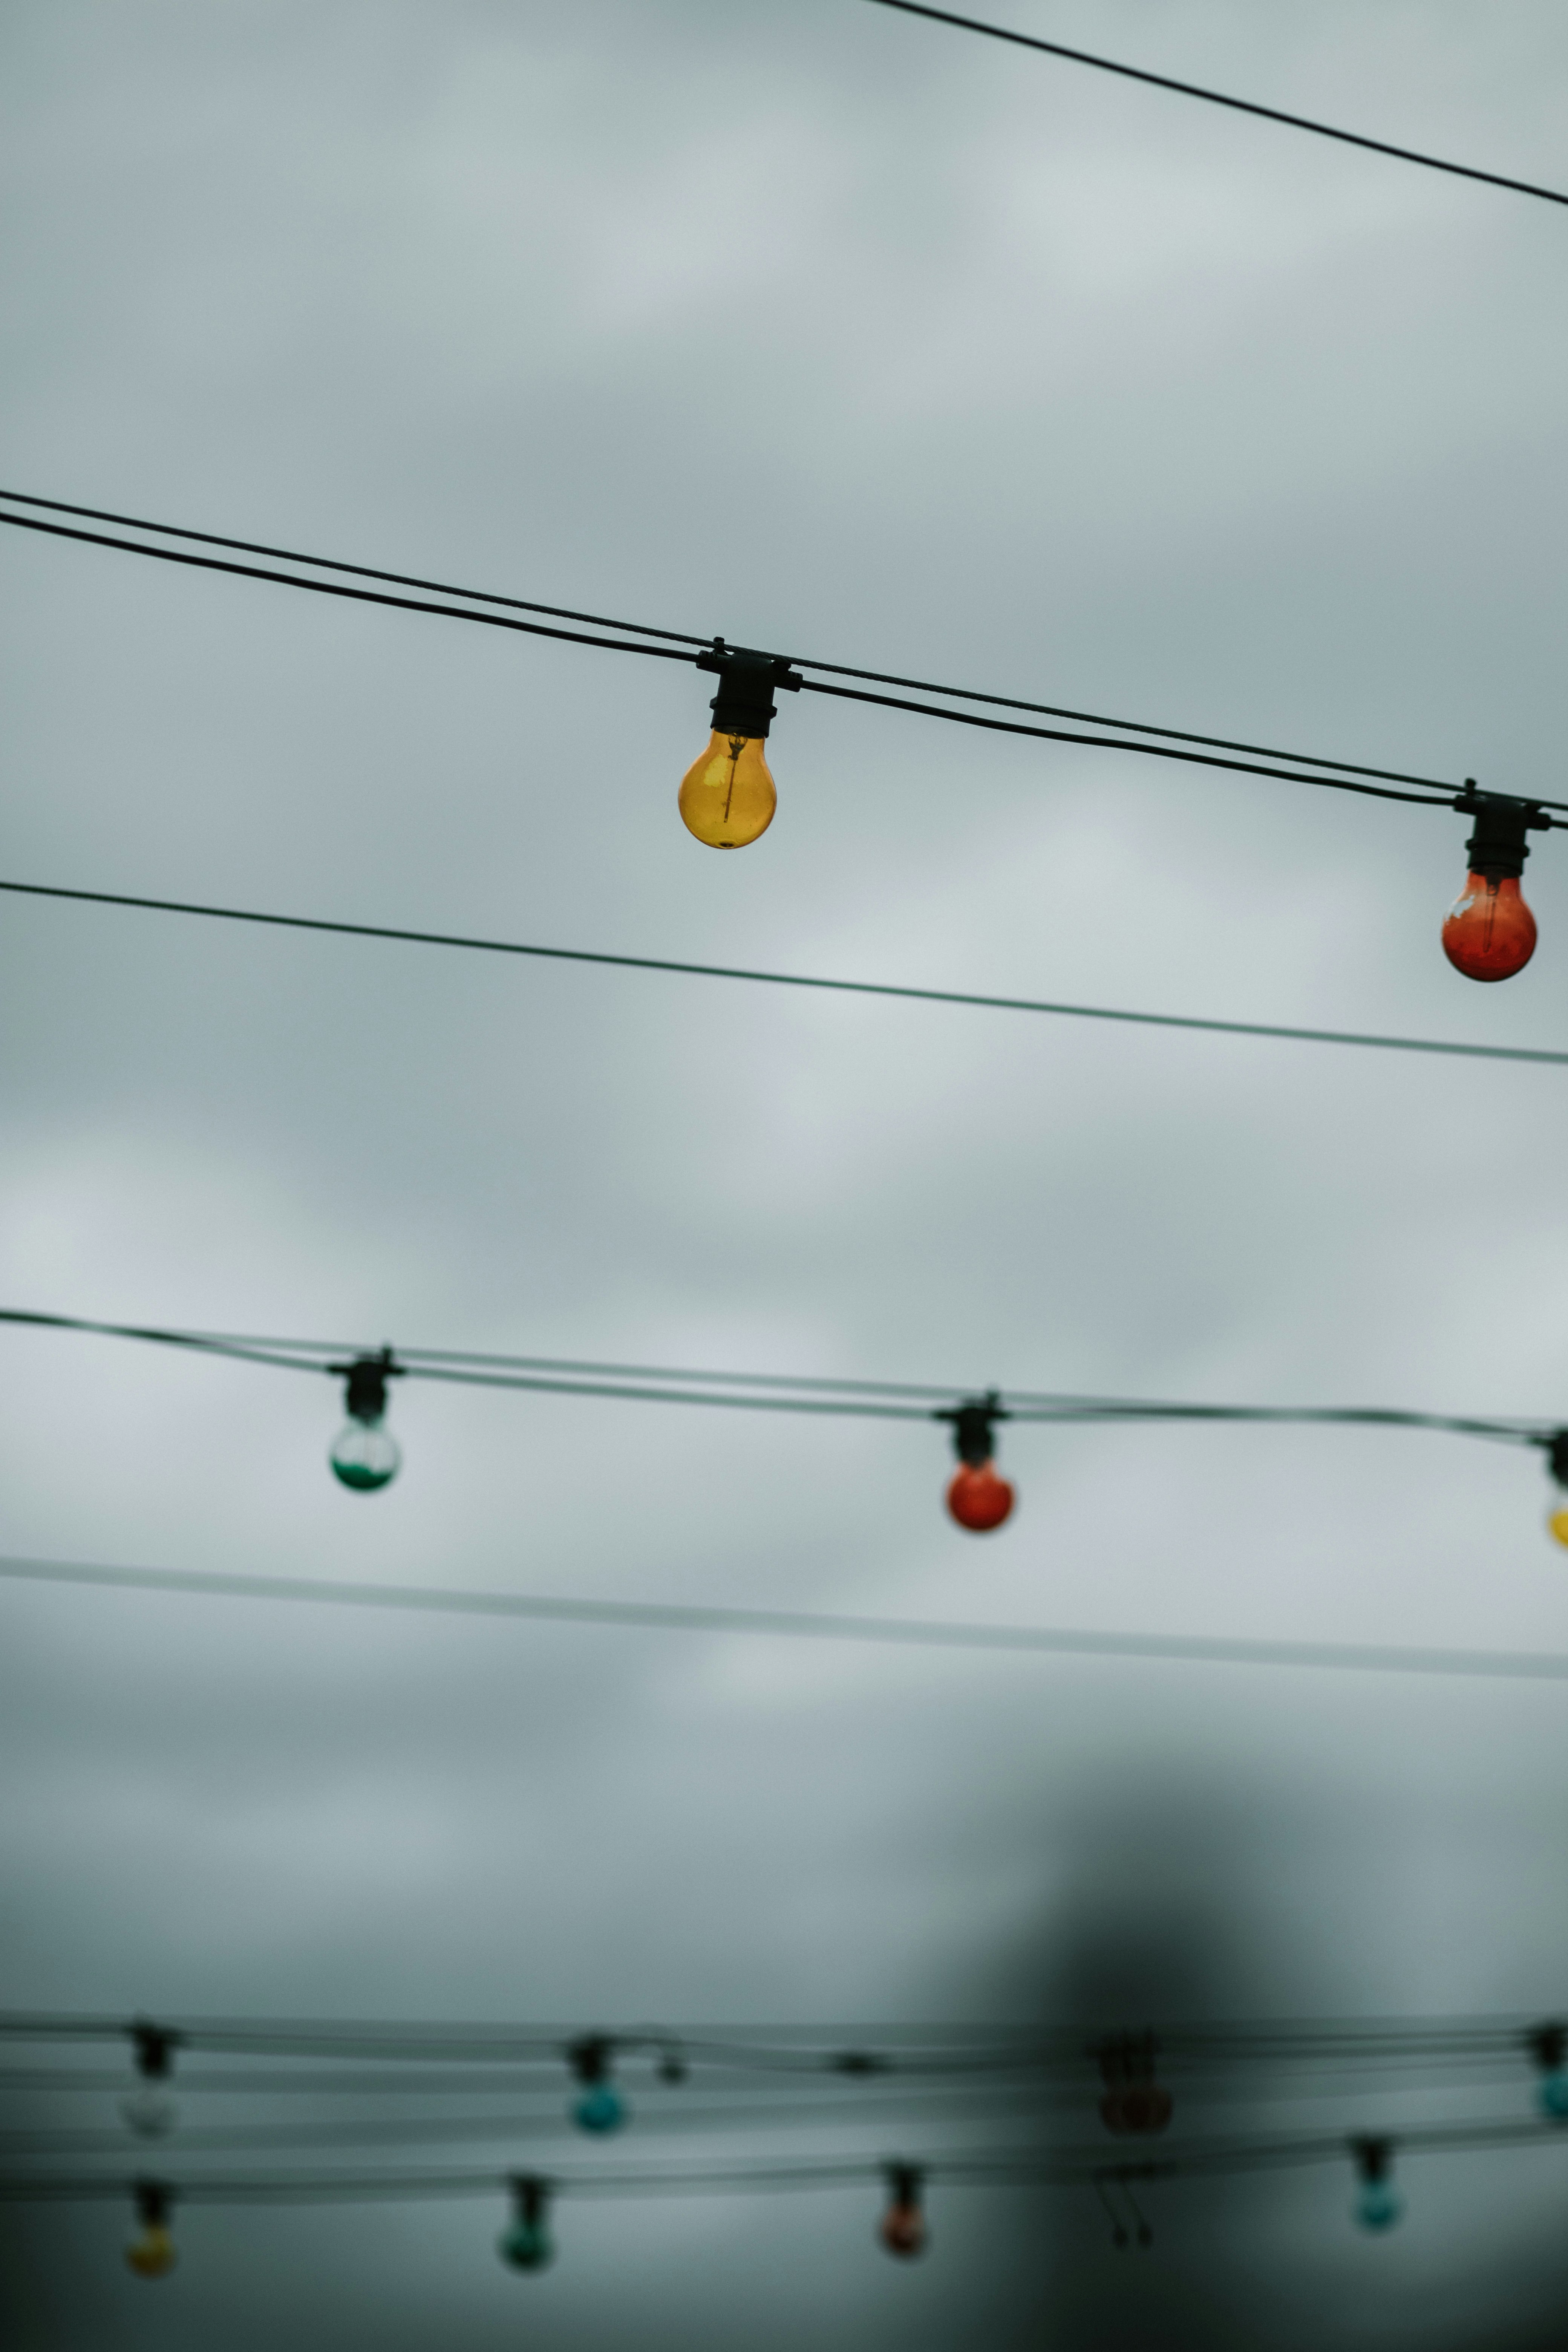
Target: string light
978	1498
149	2110
599	2108
152	2253
364	1455
727	795
1489	932
1557	1447
1378	2204
526	2243
1132	2101
1549	2047
902	2228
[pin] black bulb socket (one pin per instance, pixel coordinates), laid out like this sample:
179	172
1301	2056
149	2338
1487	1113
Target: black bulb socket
748	681
153	2200
365	1385
1497	849
154	2046
1373	2158
1557	1456
974	1421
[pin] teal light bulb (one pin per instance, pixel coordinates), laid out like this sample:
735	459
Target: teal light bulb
1553	2095
365	1457
601	2109
526	2245
1379	2206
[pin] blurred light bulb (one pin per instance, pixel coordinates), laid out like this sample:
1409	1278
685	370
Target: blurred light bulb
1378	2204
152	2253
364	1454
1489	932
1132	2101
1558	1523
1553	2096
600	2109
149	2111
902	2228
728	796
978	1498
1549	2047
526	2243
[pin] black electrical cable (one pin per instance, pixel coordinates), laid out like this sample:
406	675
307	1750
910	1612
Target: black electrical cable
560	1376
1218	98
791	979
896	1633
680	636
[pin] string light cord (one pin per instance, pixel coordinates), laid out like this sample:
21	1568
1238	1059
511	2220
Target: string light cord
892	1633
759	1392
1439	793
1219	97
794	979
976	2168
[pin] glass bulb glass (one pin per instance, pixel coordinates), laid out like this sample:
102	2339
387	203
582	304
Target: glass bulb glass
526	2245
727	797
903	2230
149	2111
1489	932
1553	2096
152	2253
977	1499
600	2109
1379	2205
366	1456
1558	1523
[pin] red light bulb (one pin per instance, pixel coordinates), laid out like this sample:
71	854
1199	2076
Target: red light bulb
978	1498
1489	932
902	2228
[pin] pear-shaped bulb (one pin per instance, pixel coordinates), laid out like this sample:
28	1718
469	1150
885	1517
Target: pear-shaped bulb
364	1456
978	1498
727	797
1489	932
152	2253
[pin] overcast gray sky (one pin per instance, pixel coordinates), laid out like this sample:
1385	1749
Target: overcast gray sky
846	335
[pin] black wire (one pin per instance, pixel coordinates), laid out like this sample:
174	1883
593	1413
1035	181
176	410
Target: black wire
639	628
814	686
788	979
1218	98
1386	1658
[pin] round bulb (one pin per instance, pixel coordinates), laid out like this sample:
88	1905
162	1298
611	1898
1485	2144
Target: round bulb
526	2245
1558	1523
727	797
364	1456
903	2230
152	2253
977	1499
1378	2206
600	2109
1489	933
149	2111
1553	2096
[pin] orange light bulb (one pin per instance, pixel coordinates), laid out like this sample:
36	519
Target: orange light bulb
1489	932
978	1498
902	2228
728	796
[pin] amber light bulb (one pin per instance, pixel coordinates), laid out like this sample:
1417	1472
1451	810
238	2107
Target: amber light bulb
152	2253
728	796
1489	932
1557	1462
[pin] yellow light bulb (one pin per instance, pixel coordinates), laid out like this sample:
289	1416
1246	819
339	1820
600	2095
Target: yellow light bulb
1558	1523
727	797
152	2255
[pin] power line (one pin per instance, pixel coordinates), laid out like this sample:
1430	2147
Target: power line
791	979
1218	98
1440	794
648	629
771	1391
894	1633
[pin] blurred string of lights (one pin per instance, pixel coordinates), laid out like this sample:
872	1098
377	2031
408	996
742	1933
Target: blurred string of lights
526	2243
366	1456
968	997
890	1632
1218	98
727	797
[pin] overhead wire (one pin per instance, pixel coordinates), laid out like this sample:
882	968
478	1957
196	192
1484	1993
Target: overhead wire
1437	793
892	1633
1291	1034
1220	98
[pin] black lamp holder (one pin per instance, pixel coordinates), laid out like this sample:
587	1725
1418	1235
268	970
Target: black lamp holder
748	681
1373	2158
1556	1448
1497	848
154	2046
530	2196
972	1423
905	2184
153	2200
364	1389
590	2057
1549	2047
